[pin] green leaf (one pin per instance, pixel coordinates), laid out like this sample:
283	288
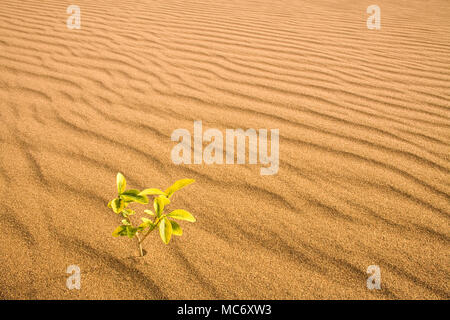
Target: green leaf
117	205
131	231
125	222
121	183
157	206
131	192
132	195
127	203
146	222
128	212
181	214
176	229
109	204
178	185
151	191
164	200
165	230
119	231
159	203
150	212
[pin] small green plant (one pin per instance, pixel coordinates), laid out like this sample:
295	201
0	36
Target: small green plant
167	227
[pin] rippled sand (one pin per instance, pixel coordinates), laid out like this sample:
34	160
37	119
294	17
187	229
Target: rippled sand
364	120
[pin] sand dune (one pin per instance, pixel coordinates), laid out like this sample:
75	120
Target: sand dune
364	120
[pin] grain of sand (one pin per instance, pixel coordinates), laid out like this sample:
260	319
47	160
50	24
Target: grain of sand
364	120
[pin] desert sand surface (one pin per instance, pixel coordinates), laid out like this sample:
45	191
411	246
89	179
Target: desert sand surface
364	122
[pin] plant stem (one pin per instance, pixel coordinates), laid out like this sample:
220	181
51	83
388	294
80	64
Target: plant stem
141	253
150	230
145	235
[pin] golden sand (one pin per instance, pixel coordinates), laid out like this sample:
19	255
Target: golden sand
364	120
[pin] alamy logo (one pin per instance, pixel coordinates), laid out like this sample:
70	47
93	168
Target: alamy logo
374	279
74	21
374	21
74	281
214	151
